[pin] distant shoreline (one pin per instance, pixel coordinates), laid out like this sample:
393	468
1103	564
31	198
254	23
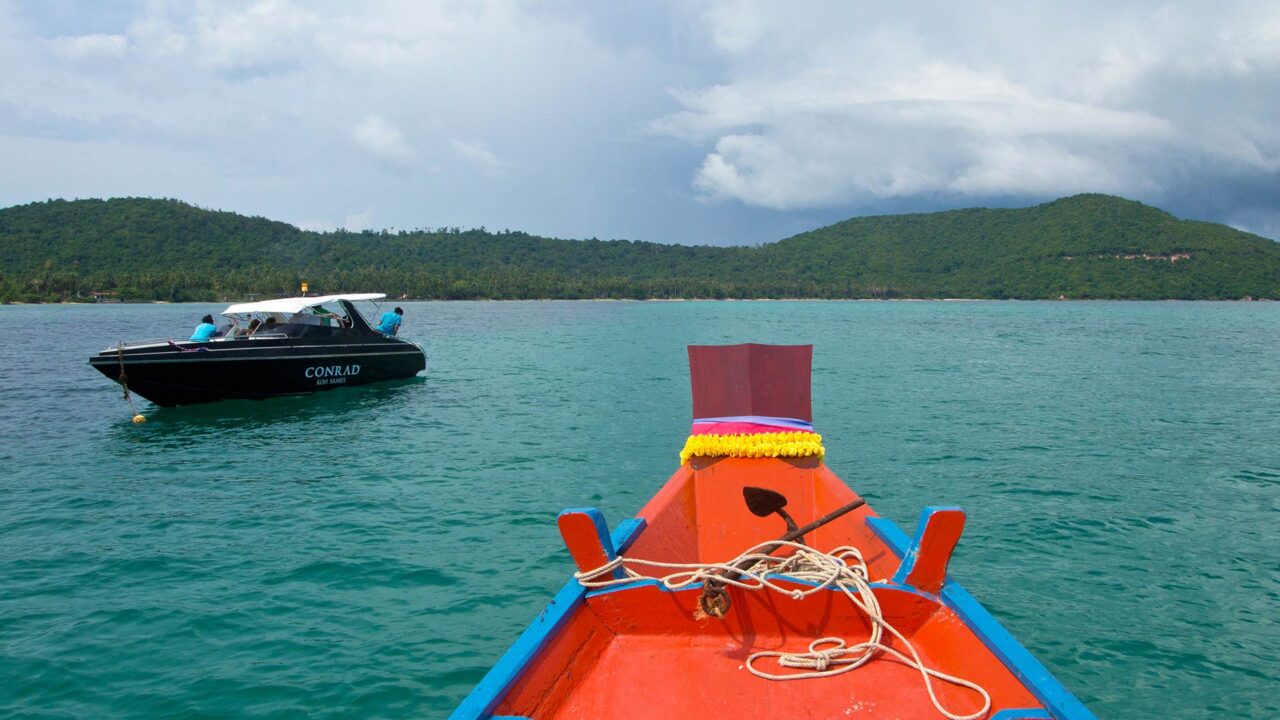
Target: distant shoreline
1080	247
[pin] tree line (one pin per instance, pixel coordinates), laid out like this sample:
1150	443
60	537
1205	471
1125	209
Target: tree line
1086	246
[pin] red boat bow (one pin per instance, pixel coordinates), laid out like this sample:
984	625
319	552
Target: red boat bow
630	636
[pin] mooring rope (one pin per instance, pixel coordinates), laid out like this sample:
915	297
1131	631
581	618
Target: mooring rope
756	569
124	383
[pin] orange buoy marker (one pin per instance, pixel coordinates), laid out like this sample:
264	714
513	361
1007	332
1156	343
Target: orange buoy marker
139	418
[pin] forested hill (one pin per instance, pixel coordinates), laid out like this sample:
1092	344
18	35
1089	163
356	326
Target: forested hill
1086	246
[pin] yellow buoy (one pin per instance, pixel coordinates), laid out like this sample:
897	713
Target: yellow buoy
139	418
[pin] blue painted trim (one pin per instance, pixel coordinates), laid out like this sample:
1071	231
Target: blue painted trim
890	534
1046	688
913	553
1018	714
1051	693
494	685
627	532
602	527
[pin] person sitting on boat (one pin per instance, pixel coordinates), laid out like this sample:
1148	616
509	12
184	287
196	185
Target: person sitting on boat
205	330
247	331
389	324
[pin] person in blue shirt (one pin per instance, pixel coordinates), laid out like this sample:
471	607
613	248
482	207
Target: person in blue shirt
389	324
205	330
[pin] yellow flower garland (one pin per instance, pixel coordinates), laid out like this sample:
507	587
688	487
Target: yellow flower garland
774	444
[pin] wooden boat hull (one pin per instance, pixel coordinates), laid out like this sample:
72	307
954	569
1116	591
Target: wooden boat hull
642	650
630	637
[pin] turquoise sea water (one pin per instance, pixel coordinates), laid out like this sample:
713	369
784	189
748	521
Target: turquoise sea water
369	552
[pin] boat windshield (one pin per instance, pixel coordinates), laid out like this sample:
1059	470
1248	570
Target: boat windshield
315	320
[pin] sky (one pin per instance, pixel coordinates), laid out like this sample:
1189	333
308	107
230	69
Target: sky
698	123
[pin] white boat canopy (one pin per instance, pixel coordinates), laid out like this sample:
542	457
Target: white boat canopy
291	306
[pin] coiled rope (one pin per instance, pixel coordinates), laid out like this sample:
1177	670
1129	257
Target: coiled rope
756	569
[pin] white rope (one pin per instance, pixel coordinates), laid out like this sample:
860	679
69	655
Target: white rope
842	568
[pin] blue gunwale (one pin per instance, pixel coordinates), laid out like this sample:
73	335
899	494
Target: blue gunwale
1019	714
495	684
1061	704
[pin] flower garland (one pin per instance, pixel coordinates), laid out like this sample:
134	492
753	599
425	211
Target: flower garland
758	445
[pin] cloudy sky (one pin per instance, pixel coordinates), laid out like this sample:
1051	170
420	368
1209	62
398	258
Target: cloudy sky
722	122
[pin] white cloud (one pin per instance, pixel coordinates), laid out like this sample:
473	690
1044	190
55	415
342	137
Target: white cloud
898	105
384	141
266	36
734	26
822	141
355	222
159	35
98	46
315	225
478	155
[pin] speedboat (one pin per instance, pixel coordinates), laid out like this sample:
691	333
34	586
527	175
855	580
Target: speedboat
756	584
273	348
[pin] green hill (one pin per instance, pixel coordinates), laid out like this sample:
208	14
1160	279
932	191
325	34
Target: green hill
1087	246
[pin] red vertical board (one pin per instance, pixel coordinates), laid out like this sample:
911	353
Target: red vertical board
751	379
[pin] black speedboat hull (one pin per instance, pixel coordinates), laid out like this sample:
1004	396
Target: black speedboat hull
187	373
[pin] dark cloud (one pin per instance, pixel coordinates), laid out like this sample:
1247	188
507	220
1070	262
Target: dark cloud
733	122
